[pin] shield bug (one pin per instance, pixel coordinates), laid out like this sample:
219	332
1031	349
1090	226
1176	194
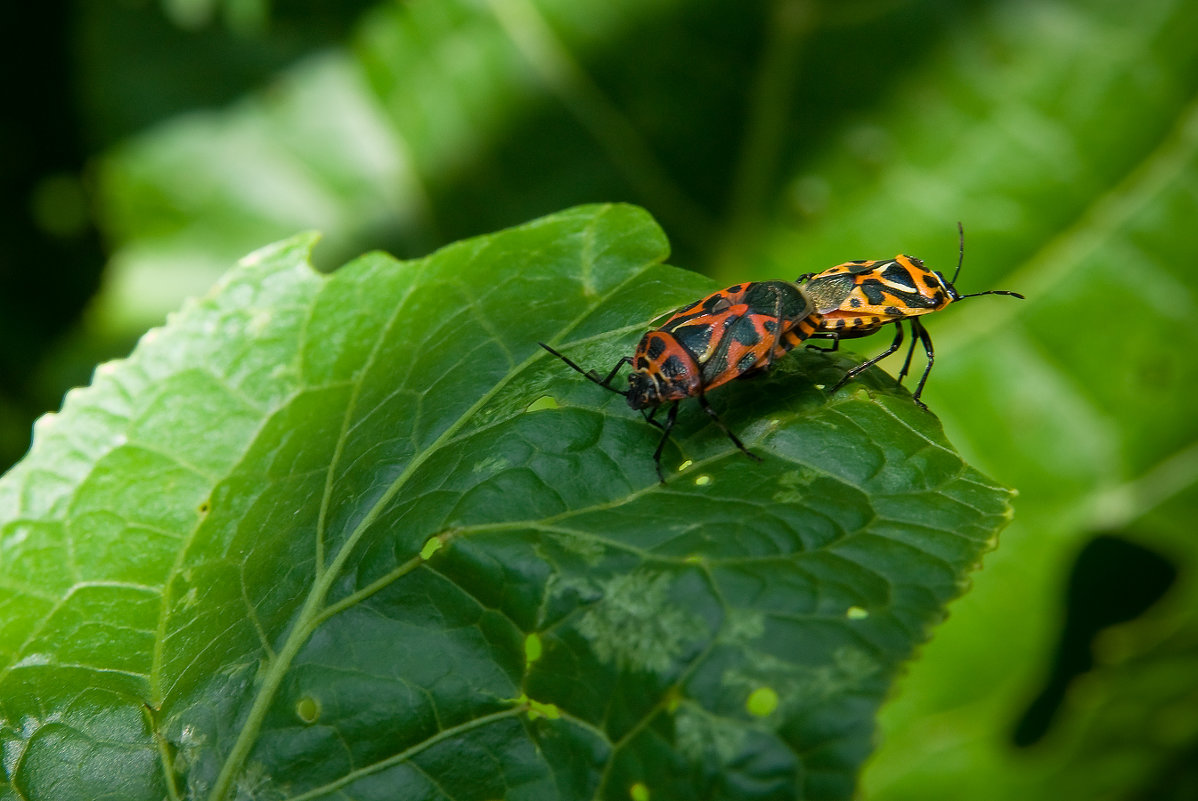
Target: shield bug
857	298
733	333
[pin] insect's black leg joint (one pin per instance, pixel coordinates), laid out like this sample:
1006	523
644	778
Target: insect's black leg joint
917	330
856	371
665	437
835	344
716	418
649	417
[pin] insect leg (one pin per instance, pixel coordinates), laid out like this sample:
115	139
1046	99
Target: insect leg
916	327
856	371
715	417
918	330
649	417
665	437
835	337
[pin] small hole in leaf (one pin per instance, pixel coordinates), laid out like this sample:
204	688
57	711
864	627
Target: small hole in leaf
543	402
856	613
702	481
533	648
638	792
307	709
762	702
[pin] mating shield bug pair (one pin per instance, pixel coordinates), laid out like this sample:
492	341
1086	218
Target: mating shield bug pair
740	331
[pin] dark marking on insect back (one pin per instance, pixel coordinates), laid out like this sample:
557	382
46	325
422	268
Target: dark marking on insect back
791	303
672	367
898	276
695	339
874	292
656	347
745	334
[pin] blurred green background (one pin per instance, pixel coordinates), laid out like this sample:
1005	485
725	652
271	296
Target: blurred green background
148	145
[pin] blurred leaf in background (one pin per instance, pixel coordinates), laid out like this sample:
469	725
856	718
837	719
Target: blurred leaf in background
770	139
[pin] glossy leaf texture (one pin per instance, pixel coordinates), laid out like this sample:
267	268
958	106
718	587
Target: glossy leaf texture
357	536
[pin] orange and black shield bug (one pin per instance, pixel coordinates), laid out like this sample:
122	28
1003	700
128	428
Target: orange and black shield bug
729	334
857	298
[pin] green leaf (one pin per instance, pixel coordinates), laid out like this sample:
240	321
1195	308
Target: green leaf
323	536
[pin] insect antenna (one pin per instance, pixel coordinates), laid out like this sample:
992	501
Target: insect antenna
591	375
960	252
961	260
993	292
